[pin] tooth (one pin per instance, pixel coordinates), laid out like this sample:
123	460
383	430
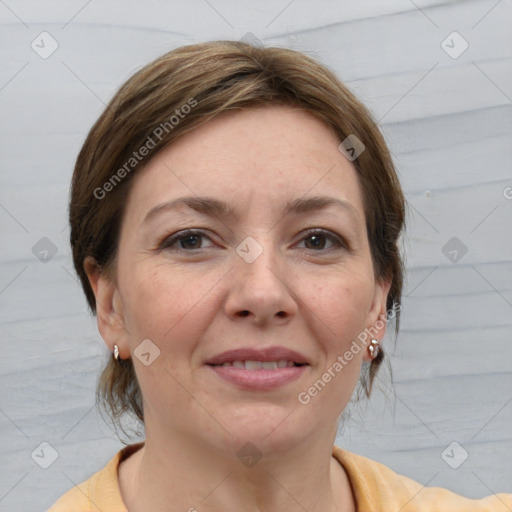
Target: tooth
282	363
289	364
252	365
269	365
226	363
238	364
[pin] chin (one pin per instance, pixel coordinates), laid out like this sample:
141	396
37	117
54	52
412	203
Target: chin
269	427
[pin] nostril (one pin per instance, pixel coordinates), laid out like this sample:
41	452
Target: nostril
244	312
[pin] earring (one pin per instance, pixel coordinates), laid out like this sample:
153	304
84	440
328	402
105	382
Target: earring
373	348
116	352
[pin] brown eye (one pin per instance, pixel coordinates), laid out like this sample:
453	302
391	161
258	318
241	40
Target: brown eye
190	242
317	240
184	241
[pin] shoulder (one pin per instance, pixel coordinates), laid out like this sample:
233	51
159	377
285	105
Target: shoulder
377	487
100	493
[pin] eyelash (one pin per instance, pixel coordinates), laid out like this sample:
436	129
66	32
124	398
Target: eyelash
168	241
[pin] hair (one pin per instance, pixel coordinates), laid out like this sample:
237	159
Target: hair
175	94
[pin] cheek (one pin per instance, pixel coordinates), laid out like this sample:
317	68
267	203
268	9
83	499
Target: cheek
167	305
342	305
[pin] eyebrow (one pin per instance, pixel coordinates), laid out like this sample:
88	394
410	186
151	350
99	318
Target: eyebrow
217	208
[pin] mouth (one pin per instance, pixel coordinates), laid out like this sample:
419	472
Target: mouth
254	359
259	365
259	370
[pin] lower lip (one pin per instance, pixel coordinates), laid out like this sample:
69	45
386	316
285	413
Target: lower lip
259	380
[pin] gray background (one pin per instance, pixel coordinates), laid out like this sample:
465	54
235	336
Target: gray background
448	123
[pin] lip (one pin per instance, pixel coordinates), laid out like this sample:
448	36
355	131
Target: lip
263	355
259	380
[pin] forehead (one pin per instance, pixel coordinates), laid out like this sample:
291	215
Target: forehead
271	154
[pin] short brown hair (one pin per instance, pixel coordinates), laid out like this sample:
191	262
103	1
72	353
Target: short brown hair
213	78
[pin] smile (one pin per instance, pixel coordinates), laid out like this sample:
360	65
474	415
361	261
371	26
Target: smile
259	365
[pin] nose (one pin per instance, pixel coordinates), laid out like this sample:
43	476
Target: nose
260	290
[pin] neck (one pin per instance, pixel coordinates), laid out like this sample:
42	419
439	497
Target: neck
185	474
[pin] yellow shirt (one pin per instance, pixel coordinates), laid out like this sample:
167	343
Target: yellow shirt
376	489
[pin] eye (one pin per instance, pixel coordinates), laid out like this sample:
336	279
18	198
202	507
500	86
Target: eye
184	240
316	239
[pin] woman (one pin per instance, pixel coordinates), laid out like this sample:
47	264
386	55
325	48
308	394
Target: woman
234	222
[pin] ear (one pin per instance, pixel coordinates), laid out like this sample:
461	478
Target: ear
109	311
377	316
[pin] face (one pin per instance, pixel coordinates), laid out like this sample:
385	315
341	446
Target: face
244	241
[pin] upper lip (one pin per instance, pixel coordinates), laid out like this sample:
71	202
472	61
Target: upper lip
263	355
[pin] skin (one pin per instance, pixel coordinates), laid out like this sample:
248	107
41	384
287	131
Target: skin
198	298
